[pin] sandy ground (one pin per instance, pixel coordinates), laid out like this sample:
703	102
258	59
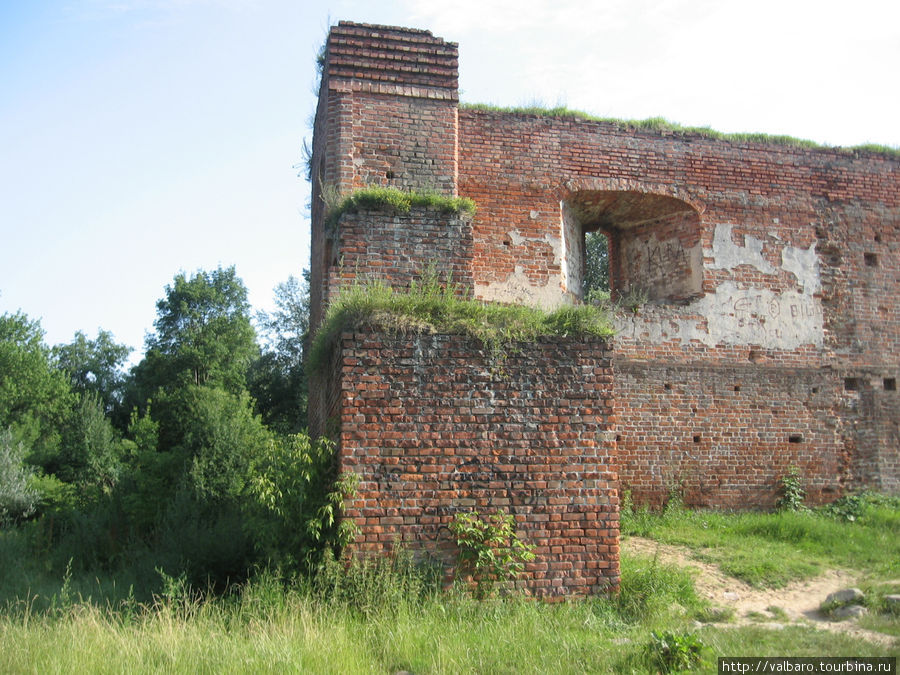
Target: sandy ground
796	603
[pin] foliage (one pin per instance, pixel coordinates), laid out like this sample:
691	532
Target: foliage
792	492
856	505
490	551
203	334
298	497
673	651
277	380
17	497
394	200
664	125
221	437
596	265
35	398
91	452
430	306
94	367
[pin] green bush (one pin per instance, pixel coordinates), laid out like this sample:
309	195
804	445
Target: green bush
792	492
17	497
490	551
670	651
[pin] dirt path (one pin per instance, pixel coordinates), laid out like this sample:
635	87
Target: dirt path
795	603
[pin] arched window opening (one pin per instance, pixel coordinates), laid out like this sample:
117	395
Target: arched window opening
637	243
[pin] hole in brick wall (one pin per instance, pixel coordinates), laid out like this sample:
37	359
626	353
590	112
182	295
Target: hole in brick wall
667	386
815	390
877	238
871	259
595	264
621	231
696	439
737	387
890	384
795	438
389	175
851	383
755	356
618	438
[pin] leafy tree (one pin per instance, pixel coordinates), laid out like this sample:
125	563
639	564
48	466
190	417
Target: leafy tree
221	438
35	397
95	366
596	264
286	329
277	379
203	334
91	451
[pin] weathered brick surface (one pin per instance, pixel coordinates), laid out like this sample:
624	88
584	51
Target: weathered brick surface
771	339
433	429
663	199
398	248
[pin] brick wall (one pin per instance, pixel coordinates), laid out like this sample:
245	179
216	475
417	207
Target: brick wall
433	429
771	340
399	248
756	256
723	436
386	116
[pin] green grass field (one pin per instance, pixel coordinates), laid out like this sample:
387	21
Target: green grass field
386	620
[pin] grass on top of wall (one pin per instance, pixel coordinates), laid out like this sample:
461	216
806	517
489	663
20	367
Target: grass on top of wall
433	306
662	124
390	199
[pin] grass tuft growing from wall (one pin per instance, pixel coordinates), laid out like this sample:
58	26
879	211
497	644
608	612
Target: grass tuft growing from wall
432	306
391	199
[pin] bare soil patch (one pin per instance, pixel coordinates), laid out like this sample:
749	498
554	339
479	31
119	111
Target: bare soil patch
796	603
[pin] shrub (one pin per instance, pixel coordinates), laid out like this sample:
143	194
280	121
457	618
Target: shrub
792	492
490	551
673	652
17	498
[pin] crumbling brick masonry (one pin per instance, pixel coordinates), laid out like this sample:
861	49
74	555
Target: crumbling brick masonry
770	337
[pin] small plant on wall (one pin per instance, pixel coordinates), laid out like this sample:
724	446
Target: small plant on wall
792	492
490	551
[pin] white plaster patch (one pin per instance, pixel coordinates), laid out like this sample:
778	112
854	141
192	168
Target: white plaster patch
516	238
728	255
803	263
517	288
734	316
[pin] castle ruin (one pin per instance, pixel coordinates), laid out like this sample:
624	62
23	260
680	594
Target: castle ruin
770	336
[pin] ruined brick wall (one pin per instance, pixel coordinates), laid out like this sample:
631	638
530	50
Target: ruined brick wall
398	248
774	258
386	116
433	429
723	436
771	338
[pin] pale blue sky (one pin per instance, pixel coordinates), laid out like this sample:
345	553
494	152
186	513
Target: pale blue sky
140	138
